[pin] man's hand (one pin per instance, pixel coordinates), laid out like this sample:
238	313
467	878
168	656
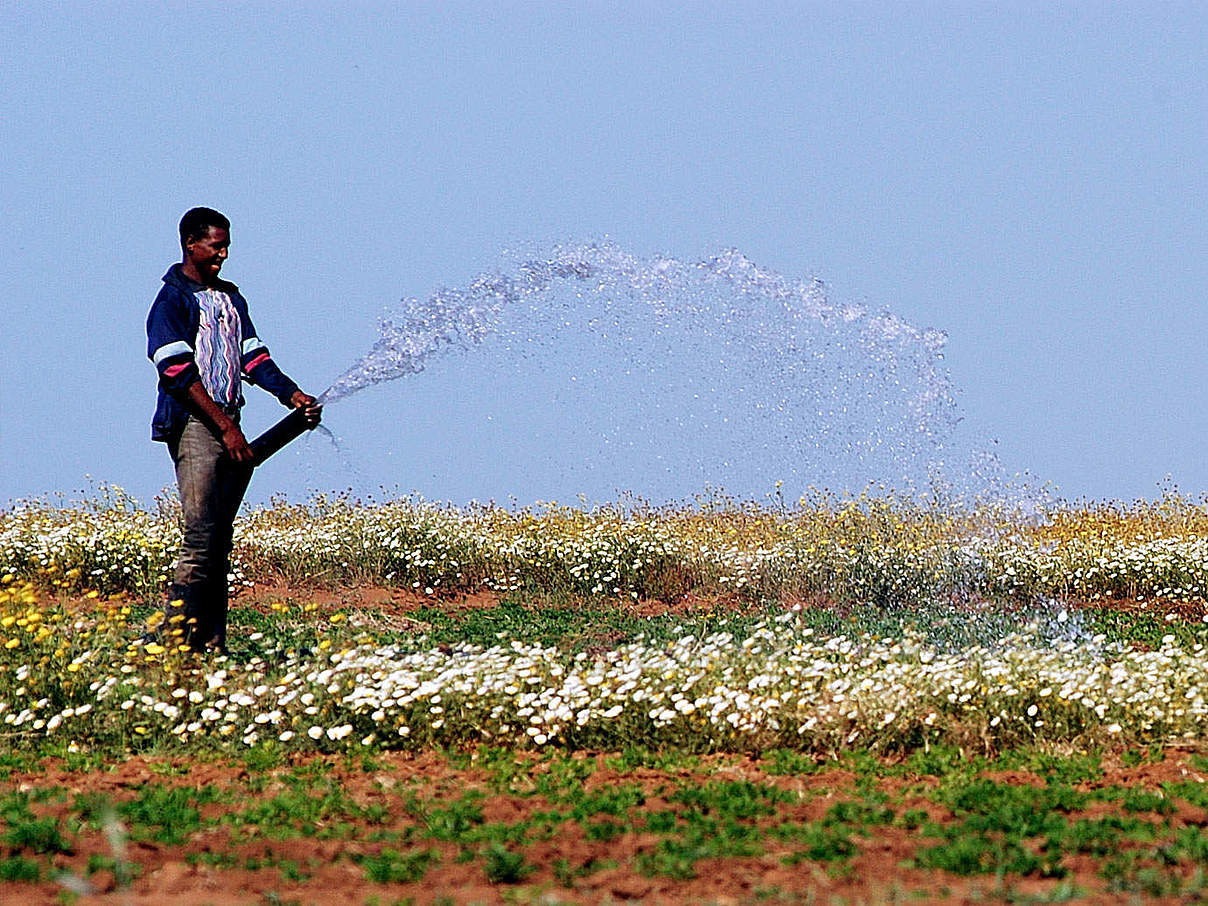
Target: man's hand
313	411
219	422
236	444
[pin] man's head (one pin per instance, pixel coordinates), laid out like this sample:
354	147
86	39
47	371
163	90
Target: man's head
205	236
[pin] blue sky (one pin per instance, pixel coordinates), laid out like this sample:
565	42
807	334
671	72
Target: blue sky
1027	177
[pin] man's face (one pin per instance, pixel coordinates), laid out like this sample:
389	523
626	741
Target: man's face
208	252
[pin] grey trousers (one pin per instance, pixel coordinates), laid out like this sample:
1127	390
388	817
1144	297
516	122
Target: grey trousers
211	489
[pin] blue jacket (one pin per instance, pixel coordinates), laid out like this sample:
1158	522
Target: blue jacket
172	338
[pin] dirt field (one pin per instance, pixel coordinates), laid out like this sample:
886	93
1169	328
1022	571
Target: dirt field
429	828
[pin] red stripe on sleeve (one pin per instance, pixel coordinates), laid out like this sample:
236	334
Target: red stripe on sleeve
263	357
257	360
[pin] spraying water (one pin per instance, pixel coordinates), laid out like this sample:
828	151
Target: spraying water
665	378
661	376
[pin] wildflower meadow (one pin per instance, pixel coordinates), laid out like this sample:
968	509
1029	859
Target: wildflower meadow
767	643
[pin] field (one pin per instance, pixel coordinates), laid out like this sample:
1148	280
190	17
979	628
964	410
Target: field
858	701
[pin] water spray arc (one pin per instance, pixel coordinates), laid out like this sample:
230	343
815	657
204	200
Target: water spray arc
670	375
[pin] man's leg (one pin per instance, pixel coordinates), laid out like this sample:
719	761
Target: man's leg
233	480
203	475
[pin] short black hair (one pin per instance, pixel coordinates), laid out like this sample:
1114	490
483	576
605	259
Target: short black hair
197	222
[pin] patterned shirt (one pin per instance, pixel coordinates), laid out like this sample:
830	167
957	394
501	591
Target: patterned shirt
205	333
219	347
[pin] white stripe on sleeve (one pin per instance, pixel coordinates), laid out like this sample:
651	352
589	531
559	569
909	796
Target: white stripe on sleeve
170	349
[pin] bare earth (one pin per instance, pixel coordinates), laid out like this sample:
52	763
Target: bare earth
876	874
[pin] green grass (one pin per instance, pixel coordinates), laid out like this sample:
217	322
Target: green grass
574	625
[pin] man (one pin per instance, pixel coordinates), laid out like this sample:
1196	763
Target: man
203	344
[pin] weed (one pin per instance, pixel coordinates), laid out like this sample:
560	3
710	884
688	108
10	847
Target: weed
504	866
173	810
209	857
291	870
603	830
737	799
819	842
19	868
912	819
1056	770
1062	892
858	813
616	801
1128	871
16	761
939	761
454	821
662	822
392	867
1136	800
786	762
633	757
563	873
1017	810
263	757
964	853
299	811
1097	836
39	835
564	777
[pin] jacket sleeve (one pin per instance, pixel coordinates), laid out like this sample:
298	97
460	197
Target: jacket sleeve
170	342
259	367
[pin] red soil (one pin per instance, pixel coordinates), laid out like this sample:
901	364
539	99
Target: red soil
876	874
